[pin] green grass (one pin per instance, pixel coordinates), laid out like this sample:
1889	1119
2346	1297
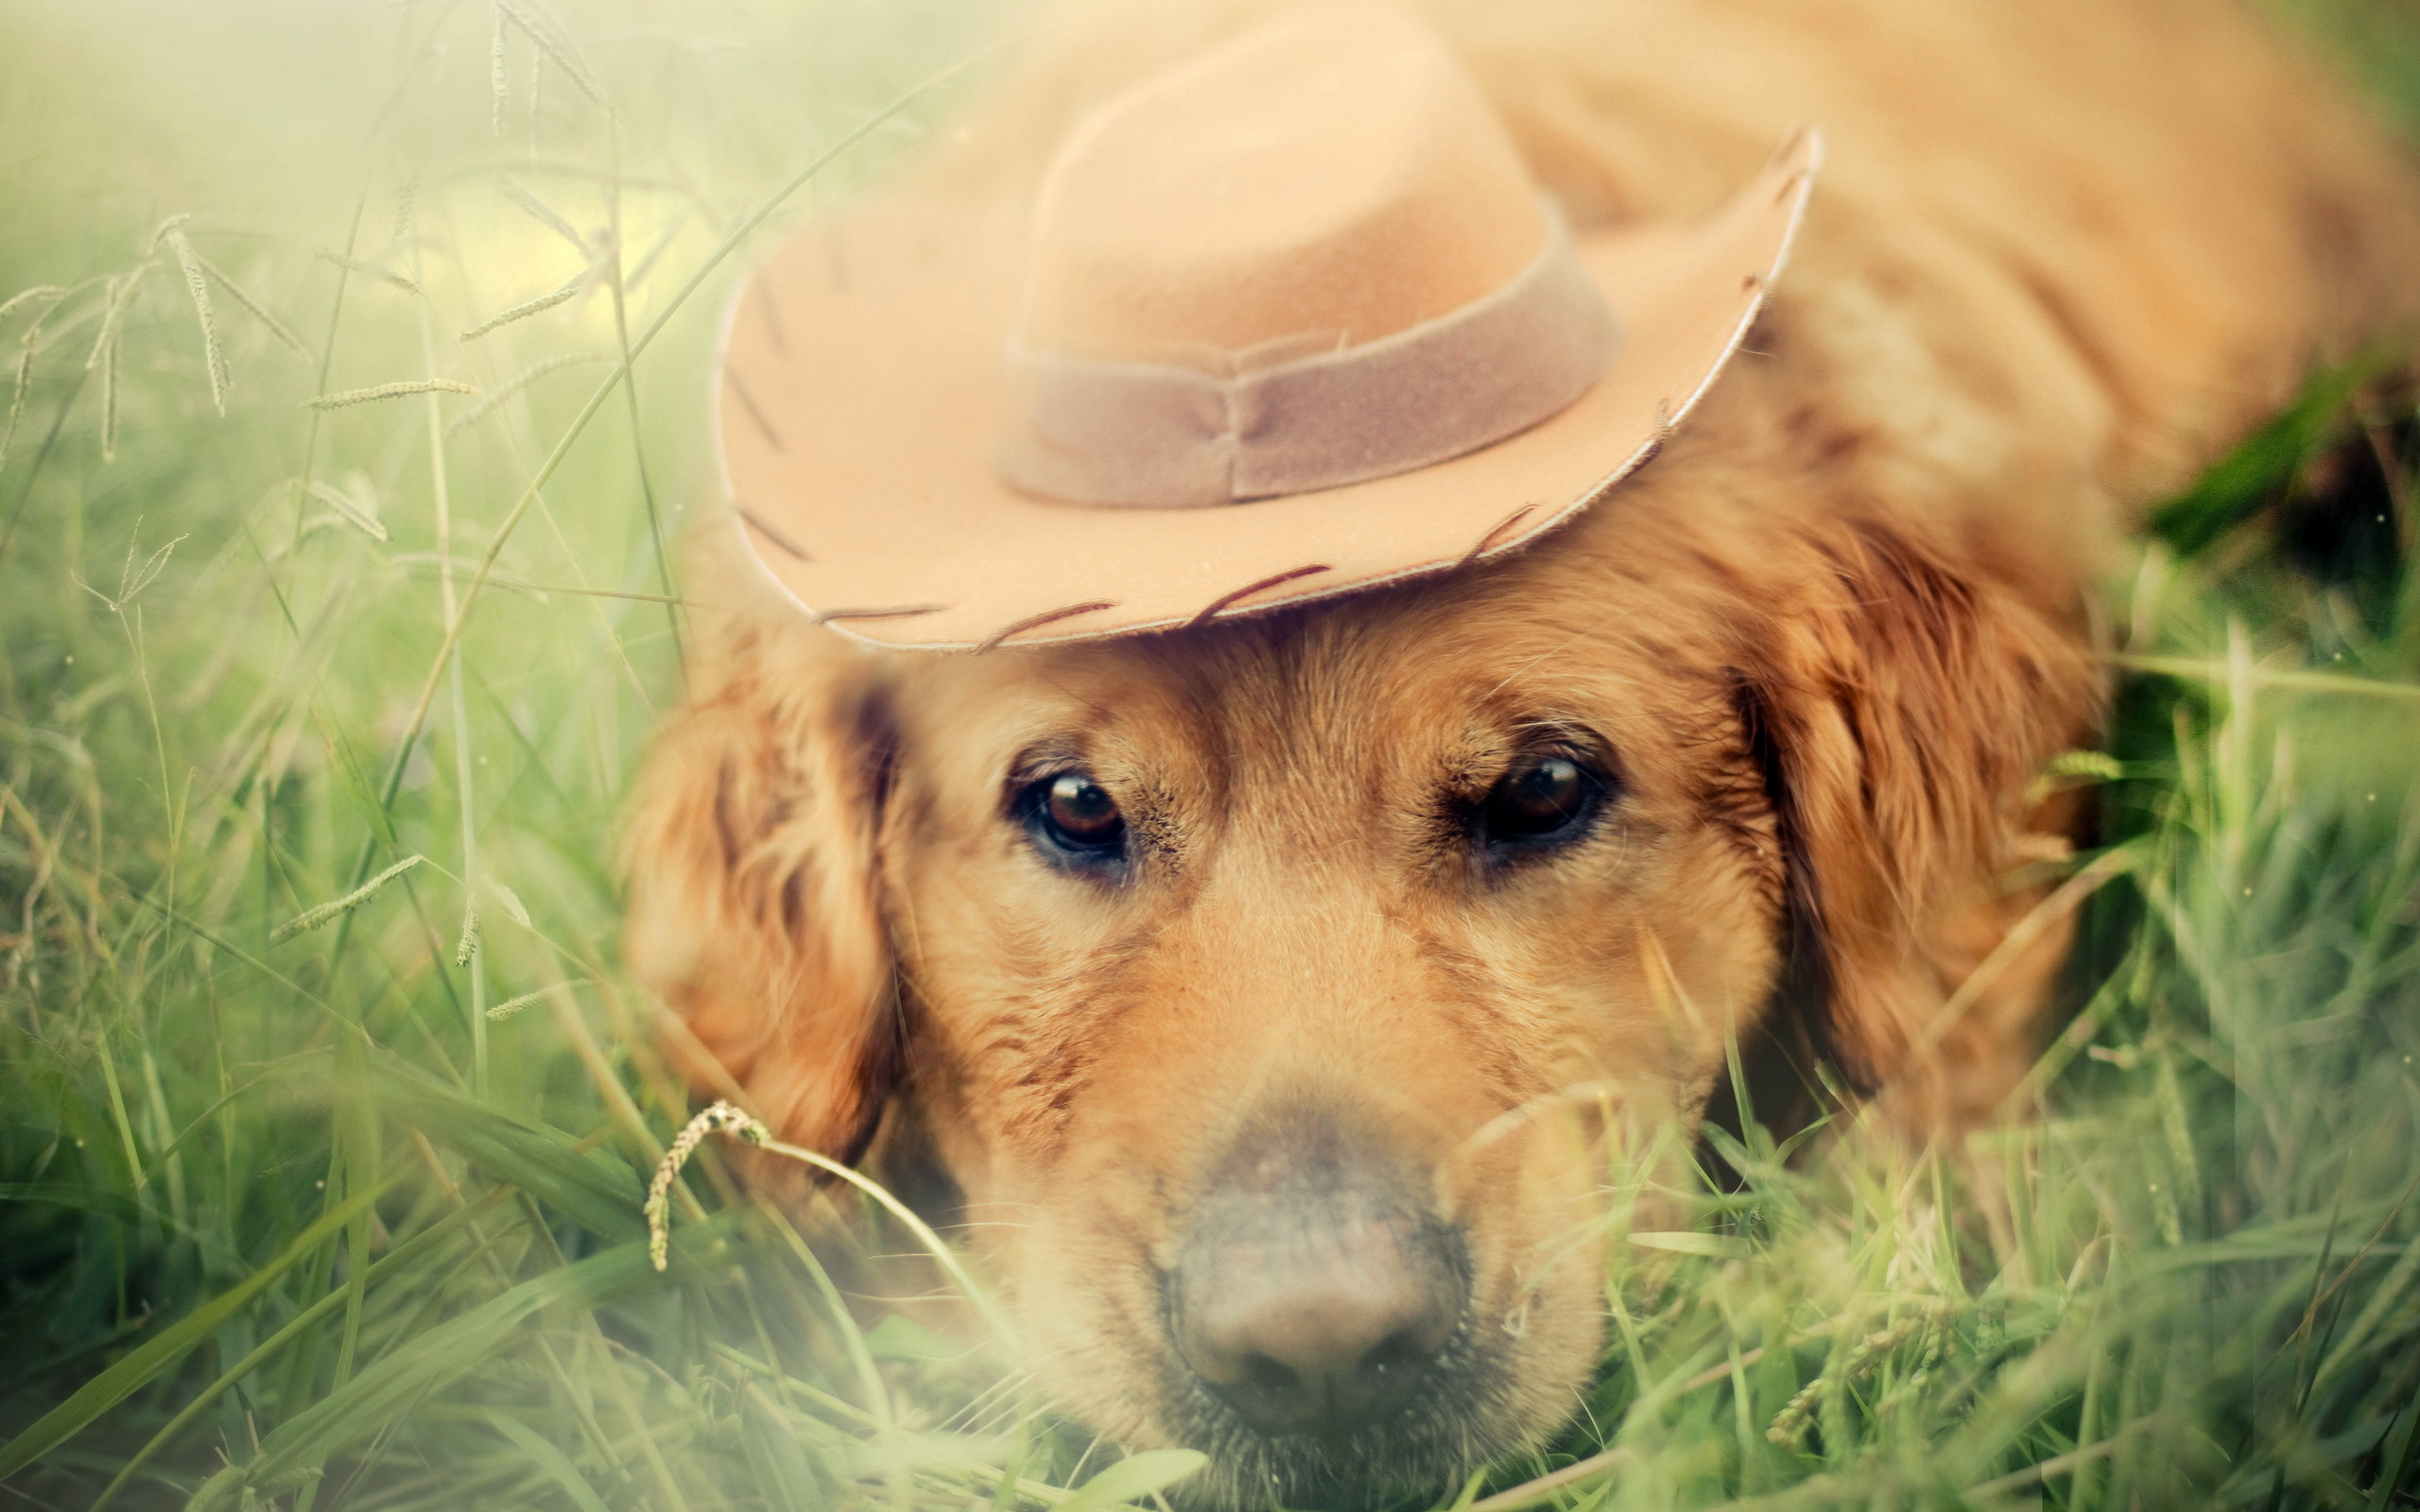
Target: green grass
304	1207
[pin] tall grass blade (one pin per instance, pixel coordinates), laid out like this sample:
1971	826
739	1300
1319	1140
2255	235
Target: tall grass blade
169	1345
601	1195
2404	1436
385	1388
510	900
358	1148
551	1460
1134	1478
406	1254
108	404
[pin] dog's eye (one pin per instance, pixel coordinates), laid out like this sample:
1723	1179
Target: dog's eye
1077	815
1544	798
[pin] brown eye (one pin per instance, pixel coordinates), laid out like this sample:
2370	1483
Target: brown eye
1077	815
1544	798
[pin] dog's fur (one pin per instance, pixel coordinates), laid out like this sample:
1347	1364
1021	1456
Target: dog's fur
2063	252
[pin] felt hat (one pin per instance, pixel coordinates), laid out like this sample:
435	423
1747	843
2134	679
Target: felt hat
1287	320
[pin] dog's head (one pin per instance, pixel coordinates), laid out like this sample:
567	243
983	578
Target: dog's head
1269	990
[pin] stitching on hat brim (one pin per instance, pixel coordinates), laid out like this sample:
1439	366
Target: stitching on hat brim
898	611
755	411
1219	605
1049	616
1480	547
757	523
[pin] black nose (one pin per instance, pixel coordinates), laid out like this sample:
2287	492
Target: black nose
1316	1306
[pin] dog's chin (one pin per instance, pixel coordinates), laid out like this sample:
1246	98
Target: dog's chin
1414	1461
1363	1473
1479	1410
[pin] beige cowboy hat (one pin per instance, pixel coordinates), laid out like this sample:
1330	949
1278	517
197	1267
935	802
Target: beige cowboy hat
1287	320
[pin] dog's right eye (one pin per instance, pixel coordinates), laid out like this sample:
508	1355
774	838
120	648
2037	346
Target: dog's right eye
1545	800
1075	817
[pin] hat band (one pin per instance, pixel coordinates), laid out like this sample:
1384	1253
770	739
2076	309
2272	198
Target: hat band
1155	435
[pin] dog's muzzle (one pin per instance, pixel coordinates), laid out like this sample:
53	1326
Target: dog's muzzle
1315	1293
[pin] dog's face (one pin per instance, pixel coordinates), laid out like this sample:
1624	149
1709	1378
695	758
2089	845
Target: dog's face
1252	968
1279	995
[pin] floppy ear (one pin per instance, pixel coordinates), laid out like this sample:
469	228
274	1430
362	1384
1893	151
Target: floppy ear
753	891
1901	704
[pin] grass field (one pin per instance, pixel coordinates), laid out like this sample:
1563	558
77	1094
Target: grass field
351	362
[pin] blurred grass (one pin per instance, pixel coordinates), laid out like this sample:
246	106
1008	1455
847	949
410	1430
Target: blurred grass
348	1215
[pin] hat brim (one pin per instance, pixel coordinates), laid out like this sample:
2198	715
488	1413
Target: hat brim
860	405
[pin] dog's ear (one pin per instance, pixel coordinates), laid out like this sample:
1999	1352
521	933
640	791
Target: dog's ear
1901	704
753	910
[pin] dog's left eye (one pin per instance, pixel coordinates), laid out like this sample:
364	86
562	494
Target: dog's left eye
1543	799
1077	816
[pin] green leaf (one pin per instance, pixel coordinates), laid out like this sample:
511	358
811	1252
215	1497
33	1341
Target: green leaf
2394	1462
2238	485
389	1384
357	1141
599	1193
66	1195
163	1350
775	1461
1136	1475
552	1460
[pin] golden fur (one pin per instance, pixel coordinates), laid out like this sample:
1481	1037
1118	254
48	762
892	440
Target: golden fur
2062	253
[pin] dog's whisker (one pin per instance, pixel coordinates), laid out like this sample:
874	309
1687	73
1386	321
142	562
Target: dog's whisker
995	1402
1603	1091
1574	639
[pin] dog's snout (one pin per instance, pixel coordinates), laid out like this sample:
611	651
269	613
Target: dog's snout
1319	1325
1319	1305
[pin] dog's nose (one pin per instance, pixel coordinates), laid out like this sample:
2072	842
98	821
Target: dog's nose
1317	1306
1321	1329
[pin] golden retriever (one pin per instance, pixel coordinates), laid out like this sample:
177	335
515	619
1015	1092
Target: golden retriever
1229	976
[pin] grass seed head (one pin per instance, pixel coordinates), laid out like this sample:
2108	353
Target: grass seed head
550	38
522	311
345	398
313	918
21	383
198	284
255	309
355	511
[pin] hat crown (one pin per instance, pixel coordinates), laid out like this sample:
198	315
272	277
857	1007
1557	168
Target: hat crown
1327	182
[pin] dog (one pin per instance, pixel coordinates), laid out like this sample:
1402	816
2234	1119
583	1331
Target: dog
1257	989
